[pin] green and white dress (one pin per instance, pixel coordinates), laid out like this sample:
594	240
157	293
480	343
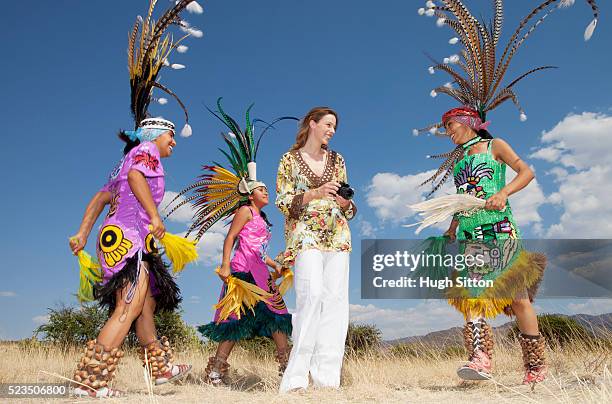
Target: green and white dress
494	235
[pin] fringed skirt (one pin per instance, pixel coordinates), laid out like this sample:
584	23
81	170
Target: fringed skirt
263	321
161	283
509	273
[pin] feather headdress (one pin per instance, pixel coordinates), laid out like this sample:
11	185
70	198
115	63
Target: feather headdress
476	70
220	191
148	52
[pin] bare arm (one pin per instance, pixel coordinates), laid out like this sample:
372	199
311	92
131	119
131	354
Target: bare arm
504	153
240	219
92	212
142	192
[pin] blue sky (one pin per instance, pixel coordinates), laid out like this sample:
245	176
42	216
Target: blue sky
66	94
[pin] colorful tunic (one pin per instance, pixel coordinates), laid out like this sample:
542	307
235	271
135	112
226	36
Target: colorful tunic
320	224
249	264
124	239
125	232
495	236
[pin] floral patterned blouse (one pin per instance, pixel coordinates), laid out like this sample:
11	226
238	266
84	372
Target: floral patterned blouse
320	224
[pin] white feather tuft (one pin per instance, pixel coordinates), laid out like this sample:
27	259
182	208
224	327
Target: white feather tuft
523	117
439	209
182	48
566	3
177	66
446	61
453	40
440	22
162	101
431	70
186	131
415	132
433	131
421	11
166	63
430	12
588	33
454	59
430	4
433	94
195	8
139	19
448	85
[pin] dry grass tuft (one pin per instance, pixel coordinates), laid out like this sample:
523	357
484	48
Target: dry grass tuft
578	373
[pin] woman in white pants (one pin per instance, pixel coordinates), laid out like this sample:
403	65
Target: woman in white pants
318	243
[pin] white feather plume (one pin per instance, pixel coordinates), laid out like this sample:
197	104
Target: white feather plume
588	32
433	93
430	12
440	22
182	48
162	101
177	66
421	11
453	40
194	8
431	70
439	209
523	117
186	131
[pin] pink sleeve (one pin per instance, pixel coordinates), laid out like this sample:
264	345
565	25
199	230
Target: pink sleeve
145	158
106	187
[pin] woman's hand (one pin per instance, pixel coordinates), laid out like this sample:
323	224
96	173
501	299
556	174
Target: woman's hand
329	189
77	242
157	227
497	201
224	272
451	233
344	203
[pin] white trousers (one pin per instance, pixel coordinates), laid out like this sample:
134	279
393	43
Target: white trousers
320	321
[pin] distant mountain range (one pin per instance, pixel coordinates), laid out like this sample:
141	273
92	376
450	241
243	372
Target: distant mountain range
597	326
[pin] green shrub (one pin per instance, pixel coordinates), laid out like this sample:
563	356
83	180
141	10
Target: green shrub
73	326
362	338
558	330
259	346
77	325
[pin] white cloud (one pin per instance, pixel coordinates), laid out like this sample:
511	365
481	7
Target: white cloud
194	299
210	247
425	317
579	140
366	229
583	173
526	202
389	194
40	320
591	306
7	293
184	214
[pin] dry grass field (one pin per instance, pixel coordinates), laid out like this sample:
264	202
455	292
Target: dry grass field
578	374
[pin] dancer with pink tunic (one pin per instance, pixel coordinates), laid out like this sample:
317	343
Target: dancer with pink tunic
250	303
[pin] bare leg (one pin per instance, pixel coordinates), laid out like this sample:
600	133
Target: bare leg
145	323
280	340
224	349
114	331
525	316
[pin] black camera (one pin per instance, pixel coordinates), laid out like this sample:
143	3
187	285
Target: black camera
346	191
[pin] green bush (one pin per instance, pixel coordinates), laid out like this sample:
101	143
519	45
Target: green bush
362	338
77	325
73	326
558	330
259	346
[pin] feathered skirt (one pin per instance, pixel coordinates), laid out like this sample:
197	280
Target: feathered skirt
161	283
264	320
